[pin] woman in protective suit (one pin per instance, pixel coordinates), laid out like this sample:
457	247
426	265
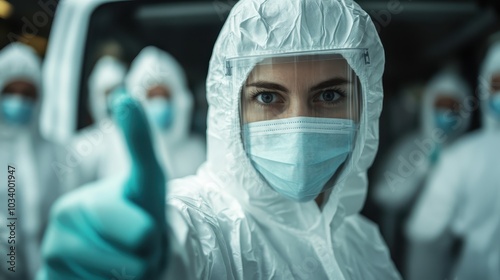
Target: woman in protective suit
295	94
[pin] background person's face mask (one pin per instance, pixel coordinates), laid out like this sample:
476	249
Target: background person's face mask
298	156
160	111
446	120
16	109
494	103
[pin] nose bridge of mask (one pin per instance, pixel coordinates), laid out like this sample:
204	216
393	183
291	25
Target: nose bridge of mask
297	156
16	109
446	119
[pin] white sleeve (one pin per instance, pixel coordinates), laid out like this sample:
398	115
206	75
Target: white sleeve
436	206
178	262
197	246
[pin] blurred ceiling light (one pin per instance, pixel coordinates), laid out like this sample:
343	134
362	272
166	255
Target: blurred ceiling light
5	9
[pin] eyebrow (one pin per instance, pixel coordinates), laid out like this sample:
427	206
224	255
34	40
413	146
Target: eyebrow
268	85
273	86
337	81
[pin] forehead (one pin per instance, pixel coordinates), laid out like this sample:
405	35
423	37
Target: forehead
495	78
19	86
158	87
445	99
297	68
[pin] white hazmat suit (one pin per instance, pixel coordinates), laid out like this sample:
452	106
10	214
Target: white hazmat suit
462	197
179	152
35	185
255	233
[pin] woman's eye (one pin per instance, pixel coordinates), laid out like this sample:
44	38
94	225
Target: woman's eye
329	95
266	97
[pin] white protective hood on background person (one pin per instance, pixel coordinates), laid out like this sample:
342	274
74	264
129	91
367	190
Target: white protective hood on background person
490	66
107	74
407	166
20	62
181	152
24	64
447	83
237	227
37	185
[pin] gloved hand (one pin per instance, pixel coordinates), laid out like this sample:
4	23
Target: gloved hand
116	228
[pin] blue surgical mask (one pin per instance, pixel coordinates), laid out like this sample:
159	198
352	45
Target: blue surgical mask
16	109
161	112
495	104
298	156
446	120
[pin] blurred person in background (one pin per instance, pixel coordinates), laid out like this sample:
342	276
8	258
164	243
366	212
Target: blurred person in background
489	87
460	203
23	148
158	81
105	152
404	171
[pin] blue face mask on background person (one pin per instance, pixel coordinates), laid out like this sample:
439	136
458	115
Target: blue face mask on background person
160	111
298	156
446	120
16	109
495	104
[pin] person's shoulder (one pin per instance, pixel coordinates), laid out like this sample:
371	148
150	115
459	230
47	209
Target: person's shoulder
361	245
470	144
189	188
473	138
363	230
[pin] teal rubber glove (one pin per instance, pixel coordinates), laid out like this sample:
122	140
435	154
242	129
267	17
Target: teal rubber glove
116	228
